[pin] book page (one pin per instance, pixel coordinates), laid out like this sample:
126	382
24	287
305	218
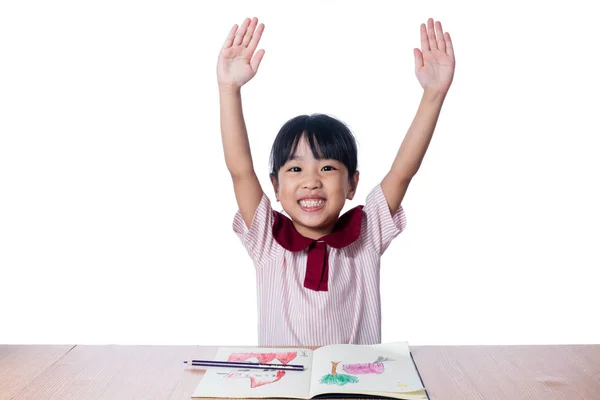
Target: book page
366	369
233	382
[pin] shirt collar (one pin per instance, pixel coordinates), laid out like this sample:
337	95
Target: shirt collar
345	231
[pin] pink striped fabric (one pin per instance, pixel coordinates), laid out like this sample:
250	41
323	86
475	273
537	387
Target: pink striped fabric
350	311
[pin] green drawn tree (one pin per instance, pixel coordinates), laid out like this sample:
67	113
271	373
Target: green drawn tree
337	379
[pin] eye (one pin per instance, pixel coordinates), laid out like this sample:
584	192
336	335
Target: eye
328	168
295	169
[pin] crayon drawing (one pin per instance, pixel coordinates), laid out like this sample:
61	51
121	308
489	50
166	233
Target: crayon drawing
337	379
257	378
260	377
408	388
367	368
334	378
265	358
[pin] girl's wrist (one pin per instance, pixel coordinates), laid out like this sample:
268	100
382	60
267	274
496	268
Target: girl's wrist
433	95
229	89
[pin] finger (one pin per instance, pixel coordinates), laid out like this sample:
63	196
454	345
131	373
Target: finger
424	42
229	40
250	32
441	43
449	47
256	60
241	32
256	38
431	34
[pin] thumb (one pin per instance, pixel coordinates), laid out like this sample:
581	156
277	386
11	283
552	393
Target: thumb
418	59
257	59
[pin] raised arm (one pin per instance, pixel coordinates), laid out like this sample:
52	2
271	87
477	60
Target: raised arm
235	67
434	67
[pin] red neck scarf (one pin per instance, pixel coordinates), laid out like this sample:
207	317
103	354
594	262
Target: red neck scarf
345	231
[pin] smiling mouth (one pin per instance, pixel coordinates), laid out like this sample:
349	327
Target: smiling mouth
311	205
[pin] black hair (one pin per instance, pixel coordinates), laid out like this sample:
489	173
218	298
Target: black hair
328	138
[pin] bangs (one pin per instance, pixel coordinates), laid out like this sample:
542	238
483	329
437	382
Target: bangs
321	145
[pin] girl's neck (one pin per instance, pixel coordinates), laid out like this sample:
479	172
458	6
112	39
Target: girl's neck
313	233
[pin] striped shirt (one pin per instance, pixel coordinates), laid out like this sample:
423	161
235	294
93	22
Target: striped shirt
350	310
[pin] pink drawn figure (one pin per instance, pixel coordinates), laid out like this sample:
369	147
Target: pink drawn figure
265	358
258	378
367	368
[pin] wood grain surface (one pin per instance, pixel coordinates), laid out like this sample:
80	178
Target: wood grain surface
21	365
158	372
510	372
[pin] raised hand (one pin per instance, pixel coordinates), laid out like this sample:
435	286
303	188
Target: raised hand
236	64
434	63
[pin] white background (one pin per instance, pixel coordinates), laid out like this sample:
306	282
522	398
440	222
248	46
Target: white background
116	205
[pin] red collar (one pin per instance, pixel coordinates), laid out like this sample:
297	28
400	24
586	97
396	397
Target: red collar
346	231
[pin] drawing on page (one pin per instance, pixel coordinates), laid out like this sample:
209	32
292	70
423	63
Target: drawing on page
257	378
260	377
376	367
408	388
337	379
265	358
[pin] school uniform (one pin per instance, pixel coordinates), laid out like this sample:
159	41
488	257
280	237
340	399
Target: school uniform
315	293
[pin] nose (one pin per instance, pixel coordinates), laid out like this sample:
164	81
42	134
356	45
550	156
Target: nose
312	181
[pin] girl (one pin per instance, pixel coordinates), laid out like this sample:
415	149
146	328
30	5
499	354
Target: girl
318	273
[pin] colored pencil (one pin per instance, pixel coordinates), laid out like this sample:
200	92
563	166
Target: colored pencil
244	365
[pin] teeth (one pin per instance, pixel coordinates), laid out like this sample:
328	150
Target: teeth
312	203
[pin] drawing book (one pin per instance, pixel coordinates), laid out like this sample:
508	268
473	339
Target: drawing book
341	370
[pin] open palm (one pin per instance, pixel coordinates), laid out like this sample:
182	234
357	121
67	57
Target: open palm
434	63
236	64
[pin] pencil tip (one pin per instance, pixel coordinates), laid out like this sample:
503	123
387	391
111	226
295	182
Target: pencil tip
185	362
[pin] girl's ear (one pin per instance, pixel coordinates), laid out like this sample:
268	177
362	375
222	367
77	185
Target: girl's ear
275	186
353	185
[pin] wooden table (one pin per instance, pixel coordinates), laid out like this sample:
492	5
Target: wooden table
158	372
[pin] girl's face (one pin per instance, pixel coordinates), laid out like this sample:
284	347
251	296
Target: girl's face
313	192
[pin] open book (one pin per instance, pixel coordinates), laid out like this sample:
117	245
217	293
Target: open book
341	370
